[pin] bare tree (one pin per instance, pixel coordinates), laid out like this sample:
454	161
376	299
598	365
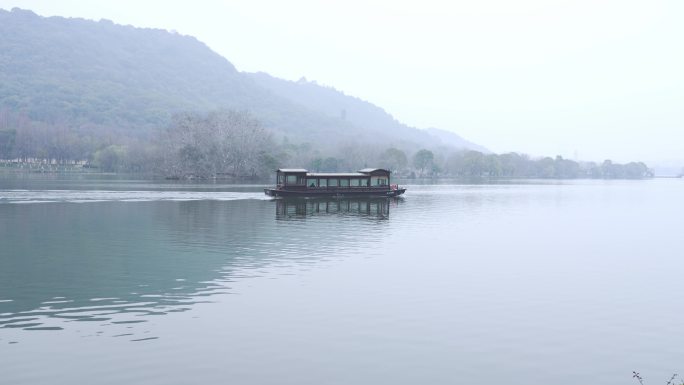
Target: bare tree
221	143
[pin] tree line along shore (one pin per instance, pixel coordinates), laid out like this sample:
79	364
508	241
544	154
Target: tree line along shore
233	144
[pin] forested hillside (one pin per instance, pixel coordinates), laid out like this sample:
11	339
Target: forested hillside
98	76
121	98
81	72
103	76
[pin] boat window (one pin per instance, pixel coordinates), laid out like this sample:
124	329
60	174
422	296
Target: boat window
355	182
291	179
344	182
382	181
311	182
364	182
281	178
333	182
322	183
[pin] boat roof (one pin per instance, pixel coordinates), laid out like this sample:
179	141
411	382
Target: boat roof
335	174
364	172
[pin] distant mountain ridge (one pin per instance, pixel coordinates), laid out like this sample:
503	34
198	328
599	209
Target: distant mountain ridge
103	77
454	140
335	104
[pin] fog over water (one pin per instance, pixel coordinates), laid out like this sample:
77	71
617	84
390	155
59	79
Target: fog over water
582	79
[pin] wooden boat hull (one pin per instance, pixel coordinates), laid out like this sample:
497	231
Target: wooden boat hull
333	193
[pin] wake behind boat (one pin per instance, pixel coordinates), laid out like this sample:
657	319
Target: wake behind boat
298	182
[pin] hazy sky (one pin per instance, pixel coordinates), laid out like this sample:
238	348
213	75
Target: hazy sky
600	79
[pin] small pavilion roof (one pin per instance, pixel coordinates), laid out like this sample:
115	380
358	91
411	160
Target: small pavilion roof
292	170
369	170
335	174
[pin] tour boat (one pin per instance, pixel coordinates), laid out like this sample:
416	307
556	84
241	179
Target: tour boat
298	182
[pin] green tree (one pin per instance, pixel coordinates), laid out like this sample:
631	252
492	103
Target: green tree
8	138
423	159
608	169
565	168
545	168
393	159
330	164
316	164
473	163
637	170
454	164
110	158
493	165
267	163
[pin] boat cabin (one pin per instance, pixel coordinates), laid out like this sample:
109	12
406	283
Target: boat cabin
297	178
298	182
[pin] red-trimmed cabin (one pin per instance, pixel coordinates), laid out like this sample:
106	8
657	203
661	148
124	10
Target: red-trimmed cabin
301	182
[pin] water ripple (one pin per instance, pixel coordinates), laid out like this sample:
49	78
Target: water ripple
85	196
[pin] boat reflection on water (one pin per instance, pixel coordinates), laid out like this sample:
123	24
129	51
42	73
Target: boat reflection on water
375	208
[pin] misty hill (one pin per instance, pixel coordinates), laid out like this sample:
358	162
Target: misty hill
450	139
99	77
335	104
82	71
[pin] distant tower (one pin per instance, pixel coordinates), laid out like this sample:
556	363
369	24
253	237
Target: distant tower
343	114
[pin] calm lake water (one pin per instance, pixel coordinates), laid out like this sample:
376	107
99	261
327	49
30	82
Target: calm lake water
114	281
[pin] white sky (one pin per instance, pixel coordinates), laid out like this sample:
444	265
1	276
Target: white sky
597	78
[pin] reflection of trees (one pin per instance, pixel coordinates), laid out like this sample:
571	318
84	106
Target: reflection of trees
121	257
63	260
128	253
